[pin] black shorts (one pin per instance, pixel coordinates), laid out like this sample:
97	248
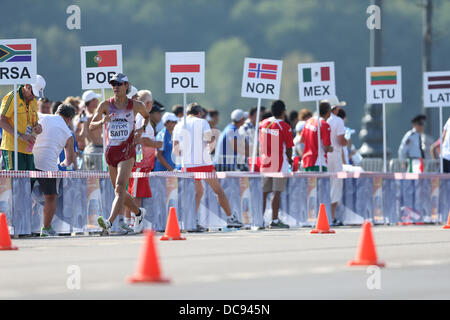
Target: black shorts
46	185
446	166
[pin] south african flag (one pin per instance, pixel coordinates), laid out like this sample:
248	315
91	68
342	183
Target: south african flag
15	53
105	58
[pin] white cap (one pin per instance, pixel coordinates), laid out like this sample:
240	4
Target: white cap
133	92
89	95
334	102
237	115
169	116
38	87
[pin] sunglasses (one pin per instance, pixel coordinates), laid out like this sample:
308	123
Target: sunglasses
117	84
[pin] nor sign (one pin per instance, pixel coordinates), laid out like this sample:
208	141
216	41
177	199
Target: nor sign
261	78
99	64
18	63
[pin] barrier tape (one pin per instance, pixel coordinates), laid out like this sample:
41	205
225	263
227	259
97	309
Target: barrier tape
81	174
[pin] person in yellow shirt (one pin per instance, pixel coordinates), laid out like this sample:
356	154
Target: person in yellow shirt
27	124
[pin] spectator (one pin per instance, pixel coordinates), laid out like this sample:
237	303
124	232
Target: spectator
156	115
275	139
139	188
334	158
178	110
213	118
164	160
74	102
190	141
55	106
55	137
44	106
231	149
412	145
310	159
446	146
133	93
90	140
304	116
27	124
293	119
247	130
266	115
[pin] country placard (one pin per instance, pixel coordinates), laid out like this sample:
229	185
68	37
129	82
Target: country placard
185	72
436	89
261	78
18	63
99	64
316	81
384	84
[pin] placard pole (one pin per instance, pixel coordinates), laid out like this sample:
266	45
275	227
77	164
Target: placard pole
104	138
384	140
184	128
319	154
255	136
441	161
16	147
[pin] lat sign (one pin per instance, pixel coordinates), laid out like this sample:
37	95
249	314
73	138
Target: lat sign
383	84
99	64
316	81
436	89
185	72
18	63
261	78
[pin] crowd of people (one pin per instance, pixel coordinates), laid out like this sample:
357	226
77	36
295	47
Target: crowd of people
132	132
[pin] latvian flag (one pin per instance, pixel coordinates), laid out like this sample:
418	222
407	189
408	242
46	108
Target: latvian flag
104	58
383	77
316	74
15	53
262	71
439	82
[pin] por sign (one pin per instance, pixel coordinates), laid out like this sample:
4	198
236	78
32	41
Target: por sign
18	63
384	85
185	72
261	78
99	64
316	81
436	89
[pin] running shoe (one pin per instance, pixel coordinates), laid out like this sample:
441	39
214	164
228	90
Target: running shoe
336	223
125	228
139	221
278	225
105	224
47	232
233	222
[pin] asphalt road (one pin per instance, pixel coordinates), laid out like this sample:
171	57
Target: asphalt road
268	264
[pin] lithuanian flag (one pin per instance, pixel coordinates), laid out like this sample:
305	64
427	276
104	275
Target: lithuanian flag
106	58
383	77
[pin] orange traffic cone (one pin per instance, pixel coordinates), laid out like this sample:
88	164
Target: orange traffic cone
322	225
148	265
366	254
447	226
172	228
5	239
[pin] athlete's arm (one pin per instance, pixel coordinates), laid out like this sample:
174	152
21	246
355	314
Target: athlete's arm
68	151
98	120
139	107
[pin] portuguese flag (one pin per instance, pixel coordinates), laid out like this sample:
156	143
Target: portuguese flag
106	58
383	77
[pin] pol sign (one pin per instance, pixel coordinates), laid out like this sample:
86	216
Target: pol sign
18	61
185	72
99	64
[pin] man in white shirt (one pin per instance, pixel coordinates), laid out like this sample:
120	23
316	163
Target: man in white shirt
55	137
191	140
335	158
446	146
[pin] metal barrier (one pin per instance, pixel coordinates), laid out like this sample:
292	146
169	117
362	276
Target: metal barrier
398	165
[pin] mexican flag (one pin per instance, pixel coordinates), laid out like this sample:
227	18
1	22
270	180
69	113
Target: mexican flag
106	58
316	74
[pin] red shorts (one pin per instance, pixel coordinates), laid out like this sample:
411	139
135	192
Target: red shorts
124	151
140	187
200	169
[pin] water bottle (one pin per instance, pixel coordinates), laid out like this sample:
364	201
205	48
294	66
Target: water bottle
30	144
139	154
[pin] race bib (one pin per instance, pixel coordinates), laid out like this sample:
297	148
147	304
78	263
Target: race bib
119	129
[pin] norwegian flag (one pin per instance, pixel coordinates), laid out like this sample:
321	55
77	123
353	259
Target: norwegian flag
262	71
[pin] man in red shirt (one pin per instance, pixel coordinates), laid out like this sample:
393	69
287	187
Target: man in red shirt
309	138
276	142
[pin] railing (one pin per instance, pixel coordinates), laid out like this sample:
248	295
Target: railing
397	165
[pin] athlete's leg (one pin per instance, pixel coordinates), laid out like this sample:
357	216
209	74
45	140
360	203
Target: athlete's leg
223	201
198	194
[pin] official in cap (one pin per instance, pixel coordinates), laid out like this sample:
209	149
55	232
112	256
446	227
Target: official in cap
412	146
